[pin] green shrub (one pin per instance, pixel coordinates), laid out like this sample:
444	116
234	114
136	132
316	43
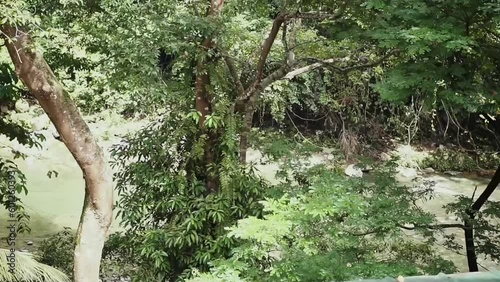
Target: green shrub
174	221
334	228
58	249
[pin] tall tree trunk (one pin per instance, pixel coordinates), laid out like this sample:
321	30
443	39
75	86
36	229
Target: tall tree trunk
97	214
204	100
202	81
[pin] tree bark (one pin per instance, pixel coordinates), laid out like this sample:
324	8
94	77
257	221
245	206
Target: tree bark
97	214
250	97
247	127
202	77
204	99
470	248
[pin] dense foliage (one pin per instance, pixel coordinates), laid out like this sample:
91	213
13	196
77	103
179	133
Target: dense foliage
178	223
333	229
351	73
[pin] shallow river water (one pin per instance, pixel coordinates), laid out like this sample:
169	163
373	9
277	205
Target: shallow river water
54	203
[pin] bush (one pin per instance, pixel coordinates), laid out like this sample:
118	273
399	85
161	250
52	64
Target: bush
57	250
174	221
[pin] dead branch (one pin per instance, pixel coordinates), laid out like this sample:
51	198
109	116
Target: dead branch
309	68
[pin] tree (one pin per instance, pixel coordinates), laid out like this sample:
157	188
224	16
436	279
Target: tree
450	66
470	212
38	77
184	178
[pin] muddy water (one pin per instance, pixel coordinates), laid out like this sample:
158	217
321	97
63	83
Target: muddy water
447	188
54	203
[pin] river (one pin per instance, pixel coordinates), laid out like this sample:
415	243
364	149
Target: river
54	203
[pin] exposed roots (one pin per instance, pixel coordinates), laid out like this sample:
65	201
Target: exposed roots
349	143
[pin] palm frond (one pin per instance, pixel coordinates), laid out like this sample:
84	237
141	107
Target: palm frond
27	269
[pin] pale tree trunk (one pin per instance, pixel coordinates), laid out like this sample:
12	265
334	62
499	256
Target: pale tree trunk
97	213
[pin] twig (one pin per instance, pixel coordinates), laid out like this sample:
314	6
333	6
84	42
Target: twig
474	193
298	131
307	119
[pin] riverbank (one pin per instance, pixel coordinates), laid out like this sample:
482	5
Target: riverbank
56	203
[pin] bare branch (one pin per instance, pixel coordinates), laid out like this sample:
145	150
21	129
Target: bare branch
265	49
274	76
363	233
259	83
435	226
372	64
309	68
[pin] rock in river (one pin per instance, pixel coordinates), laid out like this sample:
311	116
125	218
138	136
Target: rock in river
353	171
22	106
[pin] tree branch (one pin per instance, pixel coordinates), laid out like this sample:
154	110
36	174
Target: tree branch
234	75
97	212
274	76
291	43
435	226
372	64
266	47
345	70
309	68
363	233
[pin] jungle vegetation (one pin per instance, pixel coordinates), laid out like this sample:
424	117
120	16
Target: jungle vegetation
285	77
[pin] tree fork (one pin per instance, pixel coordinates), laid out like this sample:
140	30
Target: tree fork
97	213
469	220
